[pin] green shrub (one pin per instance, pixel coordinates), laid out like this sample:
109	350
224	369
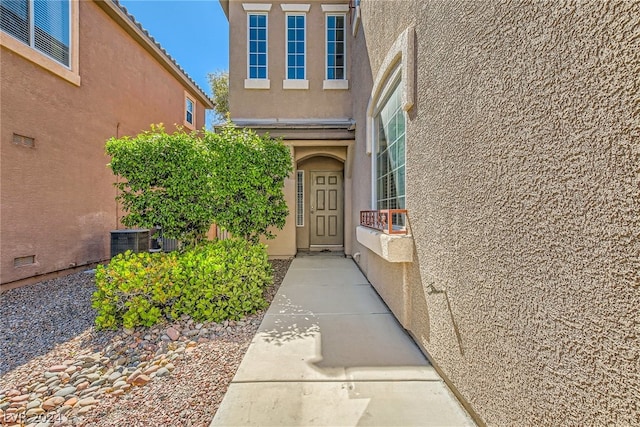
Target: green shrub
165	180
186	182
214	281
249	172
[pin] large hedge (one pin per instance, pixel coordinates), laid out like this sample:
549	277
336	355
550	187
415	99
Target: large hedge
165	180
249	172
213	281
185	182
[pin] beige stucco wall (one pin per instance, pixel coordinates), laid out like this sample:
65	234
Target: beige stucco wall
57	198
524	201
317	163
315	103
309	155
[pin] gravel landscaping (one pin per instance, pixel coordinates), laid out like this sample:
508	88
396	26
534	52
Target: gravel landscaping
57	370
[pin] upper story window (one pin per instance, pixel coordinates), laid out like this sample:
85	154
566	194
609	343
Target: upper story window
389	139
295	46
336	46
189	111
44	25
257	45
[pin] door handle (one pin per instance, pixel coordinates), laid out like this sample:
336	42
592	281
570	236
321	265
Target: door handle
312	209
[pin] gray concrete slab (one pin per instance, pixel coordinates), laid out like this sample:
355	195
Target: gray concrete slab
322	262
333	347
327	299
330	276
329	353
414	403
318	270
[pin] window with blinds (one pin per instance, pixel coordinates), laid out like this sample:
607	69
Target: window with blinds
42	24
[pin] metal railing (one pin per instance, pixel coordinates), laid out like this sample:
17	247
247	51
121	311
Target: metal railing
390	221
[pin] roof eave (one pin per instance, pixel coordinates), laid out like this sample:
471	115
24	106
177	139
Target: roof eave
225	7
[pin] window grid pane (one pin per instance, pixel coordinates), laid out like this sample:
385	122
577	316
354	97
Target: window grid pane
300	199
296	47
390	154
336	47
257	46
189	111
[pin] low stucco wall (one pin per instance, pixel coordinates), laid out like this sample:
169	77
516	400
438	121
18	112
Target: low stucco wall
523	195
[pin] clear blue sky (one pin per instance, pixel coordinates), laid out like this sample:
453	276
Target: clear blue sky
194	32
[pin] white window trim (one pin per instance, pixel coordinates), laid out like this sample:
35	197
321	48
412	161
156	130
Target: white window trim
300	193
257	83
191	126
304	8
299	84
334	84
250	83
401	52
256	7
335	8
394	79
295	84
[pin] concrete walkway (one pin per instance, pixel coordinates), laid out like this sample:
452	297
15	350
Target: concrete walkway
330	353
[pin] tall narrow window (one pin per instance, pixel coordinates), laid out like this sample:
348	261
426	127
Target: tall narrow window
257	45
300	199
189	111
336	47
296	47
390	150
257	49
335	68
44	25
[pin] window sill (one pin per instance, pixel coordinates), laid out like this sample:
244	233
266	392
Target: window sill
391	248
335	85
40	59
295	84
257	84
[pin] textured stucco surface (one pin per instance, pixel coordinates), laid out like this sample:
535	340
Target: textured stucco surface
58	201
313	103
523	173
